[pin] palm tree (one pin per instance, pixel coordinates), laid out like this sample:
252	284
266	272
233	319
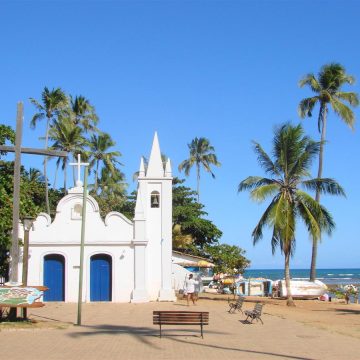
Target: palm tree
35	175
99	153
201	154
53	101
293	154
83	113
67	137
112	184
327	88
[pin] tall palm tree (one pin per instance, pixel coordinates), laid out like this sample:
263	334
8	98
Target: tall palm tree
289	170
112	184
53	101
201	155
99	153
67	137
83	113
327	87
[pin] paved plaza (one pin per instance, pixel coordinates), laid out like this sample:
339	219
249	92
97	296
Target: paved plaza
125	331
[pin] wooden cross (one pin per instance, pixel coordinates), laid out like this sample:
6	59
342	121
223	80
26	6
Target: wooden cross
78	164
17	149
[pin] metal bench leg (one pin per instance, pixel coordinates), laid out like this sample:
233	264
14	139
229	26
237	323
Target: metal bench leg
160	331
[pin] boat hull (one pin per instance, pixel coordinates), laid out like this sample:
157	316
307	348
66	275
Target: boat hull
303	289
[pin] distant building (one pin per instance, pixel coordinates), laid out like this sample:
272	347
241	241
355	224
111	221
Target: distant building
123	260
195	264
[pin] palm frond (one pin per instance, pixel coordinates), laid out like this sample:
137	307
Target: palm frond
311	81
260	193
344	112
306	106
252	182
264	160
266	219
325	186
351	97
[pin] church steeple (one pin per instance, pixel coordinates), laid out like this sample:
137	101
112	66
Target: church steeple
142	168
139	209
155	168
168	168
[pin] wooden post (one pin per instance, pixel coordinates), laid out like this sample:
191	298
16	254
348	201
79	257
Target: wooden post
25	265
83	219
14	251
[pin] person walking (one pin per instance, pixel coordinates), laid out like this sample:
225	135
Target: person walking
190	289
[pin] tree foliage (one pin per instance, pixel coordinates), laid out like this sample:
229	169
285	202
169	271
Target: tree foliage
32	202
293	153
201	154
189	217
228	259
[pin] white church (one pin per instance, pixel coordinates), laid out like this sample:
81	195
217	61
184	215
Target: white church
124	260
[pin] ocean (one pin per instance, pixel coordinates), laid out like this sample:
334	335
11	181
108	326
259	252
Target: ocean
327	276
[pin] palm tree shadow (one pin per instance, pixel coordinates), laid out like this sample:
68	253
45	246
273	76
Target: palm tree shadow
347	311
139	333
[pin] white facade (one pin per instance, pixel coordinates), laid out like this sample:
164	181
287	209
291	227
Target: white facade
137	253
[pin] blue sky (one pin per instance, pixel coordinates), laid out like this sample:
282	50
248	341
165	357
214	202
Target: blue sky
225	70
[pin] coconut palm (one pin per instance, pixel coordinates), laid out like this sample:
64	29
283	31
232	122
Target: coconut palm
67	137
83	113
53	101
289	170
99	153
111	184
201	155
327	87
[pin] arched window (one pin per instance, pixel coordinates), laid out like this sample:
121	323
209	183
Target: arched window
155	199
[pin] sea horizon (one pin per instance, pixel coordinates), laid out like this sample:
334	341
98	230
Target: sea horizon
330	276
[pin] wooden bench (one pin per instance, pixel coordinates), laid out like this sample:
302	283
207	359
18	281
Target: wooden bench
181	318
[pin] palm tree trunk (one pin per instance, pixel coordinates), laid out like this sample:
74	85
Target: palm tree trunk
96	176
65	175
198	181
323	109
45	168
55	177
290	300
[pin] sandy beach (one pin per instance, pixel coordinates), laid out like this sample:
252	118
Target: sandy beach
312	330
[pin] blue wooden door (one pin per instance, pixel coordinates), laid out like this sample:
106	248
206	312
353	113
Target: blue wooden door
100	278
54	277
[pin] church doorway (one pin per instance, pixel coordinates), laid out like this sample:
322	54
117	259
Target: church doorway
100	277
54	277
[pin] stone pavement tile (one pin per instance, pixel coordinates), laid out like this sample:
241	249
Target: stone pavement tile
125	331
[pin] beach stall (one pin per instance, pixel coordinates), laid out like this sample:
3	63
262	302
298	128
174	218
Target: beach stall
254	287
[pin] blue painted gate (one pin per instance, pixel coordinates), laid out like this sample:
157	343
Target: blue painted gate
100	277
54	277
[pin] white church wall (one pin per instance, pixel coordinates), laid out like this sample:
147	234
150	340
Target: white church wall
145	277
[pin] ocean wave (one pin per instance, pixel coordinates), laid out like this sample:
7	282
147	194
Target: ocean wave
346	274
342	278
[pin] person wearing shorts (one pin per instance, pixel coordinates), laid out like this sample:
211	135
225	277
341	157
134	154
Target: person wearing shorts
190	289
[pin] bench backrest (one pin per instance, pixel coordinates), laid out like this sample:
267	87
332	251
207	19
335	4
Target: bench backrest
240	300
180	317
258	308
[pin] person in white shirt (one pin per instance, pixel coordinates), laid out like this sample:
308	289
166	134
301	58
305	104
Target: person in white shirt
190	288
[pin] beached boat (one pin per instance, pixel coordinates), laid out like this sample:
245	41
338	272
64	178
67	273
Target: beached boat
302	289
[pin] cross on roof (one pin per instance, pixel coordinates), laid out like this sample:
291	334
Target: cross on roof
79	183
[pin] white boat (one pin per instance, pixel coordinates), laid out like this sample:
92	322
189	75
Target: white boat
302	289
